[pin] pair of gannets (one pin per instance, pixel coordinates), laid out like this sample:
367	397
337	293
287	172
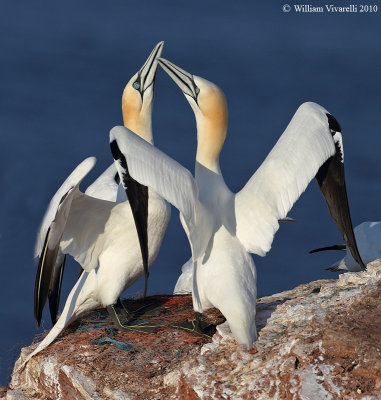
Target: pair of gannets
368	238
224	228
96	230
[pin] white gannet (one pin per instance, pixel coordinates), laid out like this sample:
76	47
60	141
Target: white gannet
368	238
105	187
224	228
99	234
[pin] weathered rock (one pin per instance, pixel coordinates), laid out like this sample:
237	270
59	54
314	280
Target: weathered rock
324	344
91	360
318	341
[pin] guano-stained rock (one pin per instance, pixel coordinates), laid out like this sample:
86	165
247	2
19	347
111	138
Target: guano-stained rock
318	341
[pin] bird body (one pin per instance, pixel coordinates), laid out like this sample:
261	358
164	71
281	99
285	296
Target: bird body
224	228
101	234
226	279
224	262
112	238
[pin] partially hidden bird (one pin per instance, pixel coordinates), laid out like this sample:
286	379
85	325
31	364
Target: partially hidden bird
368	238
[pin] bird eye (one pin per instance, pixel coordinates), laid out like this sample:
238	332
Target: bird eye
197	90
136	85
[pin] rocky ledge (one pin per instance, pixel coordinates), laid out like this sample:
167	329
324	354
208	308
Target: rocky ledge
318	341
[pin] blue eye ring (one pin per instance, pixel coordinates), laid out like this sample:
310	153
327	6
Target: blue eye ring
136	85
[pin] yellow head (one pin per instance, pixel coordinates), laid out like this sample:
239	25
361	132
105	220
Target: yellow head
137	99
210	108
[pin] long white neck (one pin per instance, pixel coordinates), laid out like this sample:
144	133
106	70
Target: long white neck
210	140
141	124
137	114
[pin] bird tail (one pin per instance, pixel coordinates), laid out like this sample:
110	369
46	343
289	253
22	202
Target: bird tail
70	312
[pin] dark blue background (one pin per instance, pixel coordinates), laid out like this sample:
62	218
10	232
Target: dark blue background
63	67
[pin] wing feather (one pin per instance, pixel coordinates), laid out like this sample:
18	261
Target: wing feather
50	234
153	168
55	286
57	202
283	176
105	187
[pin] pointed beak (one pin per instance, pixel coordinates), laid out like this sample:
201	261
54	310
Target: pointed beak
331	180
287	219
147	72
183	79
137	194
341	247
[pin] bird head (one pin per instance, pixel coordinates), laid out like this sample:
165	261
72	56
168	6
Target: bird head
210	108
137	99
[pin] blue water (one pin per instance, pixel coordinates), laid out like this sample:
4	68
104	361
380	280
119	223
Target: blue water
63	66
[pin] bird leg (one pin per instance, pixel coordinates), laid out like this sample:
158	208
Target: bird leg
127	314
197	326
198	323
138	326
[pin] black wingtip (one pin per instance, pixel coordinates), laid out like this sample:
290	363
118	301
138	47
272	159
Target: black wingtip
55	290
42	282
333	123
137	195
115	151
331	180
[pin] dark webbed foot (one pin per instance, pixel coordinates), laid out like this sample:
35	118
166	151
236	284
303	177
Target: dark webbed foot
197	326
137	326
128	315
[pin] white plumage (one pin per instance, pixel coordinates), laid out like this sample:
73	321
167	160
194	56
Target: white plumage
368	238
105	187
223	227
101	234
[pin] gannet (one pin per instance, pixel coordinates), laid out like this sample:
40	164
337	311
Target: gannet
105	187
368	238
101	234
224	228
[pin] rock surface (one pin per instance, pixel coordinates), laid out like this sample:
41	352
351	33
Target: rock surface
318	341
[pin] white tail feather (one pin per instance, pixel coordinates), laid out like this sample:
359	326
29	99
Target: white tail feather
73	308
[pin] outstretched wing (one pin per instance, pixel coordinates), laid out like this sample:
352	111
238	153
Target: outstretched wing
153	168
310	146
170	180
49	237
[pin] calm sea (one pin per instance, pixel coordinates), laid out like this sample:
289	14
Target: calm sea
63	66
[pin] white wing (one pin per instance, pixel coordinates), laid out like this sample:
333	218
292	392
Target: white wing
152	168
283	176
59	207
105	187
50	267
